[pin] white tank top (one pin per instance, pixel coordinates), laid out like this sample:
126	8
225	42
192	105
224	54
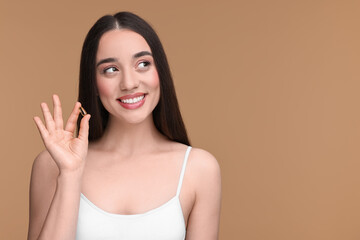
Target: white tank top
164	222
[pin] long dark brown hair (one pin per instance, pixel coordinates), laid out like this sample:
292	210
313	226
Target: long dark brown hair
166	115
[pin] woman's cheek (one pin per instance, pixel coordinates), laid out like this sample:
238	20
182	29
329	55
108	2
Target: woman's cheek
154	84
103	88
154	80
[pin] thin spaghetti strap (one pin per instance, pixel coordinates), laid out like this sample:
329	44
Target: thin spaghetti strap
183	171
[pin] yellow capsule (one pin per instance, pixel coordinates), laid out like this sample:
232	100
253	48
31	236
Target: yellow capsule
82	111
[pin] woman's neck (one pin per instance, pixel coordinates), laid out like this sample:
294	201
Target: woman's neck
128	138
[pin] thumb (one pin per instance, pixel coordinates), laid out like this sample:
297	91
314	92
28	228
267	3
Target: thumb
84	128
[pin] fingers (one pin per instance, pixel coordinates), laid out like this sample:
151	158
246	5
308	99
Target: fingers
84	128
56	122
42	129
49	121
71	122
57	112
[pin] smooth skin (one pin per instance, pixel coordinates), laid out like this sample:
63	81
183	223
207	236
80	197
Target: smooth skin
131	157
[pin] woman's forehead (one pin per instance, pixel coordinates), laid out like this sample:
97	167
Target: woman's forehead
121	42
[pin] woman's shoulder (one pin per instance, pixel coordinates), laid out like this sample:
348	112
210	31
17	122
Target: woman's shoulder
198	158
204	178
200	161
44	165
203	163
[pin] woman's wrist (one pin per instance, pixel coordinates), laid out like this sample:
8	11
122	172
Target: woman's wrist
70	175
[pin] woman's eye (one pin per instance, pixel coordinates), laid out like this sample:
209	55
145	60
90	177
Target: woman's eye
110	70
143	64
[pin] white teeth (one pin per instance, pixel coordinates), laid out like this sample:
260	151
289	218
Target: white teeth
133	100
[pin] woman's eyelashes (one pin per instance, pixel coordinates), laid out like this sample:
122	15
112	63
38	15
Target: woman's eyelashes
139	66
109	70
143	65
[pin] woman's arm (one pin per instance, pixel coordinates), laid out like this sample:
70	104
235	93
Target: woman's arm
56	175
54	201
203	223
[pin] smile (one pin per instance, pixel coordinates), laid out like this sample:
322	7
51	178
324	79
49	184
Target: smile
132	100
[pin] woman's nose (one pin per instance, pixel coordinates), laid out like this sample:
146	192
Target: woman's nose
129	80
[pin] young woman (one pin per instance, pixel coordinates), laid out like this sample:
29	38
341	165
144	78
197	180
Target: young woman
129	173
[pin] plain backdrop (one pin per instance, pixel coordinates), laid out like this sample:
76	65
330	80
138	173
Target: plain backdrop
270	88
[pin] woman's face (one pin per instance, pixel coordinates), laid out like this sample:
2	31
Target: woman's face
126	76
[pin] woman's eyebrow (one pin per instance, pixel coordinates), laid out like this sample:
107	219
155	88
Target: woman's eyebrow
106	60
136	55
142	53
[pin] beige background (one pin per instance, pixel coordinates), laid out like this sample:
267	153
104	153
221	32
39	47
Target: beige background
271	88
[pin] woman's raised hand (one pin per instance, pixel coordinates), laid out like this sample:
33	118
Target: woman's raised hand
69	152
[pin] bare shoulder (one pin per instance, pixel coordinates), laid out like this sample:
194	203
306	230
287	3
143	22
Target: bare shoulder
44	165
204	161
204	168
43	175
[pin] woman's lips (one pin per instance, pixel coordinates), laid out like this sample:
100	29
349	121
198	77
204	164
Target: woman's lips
132	101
